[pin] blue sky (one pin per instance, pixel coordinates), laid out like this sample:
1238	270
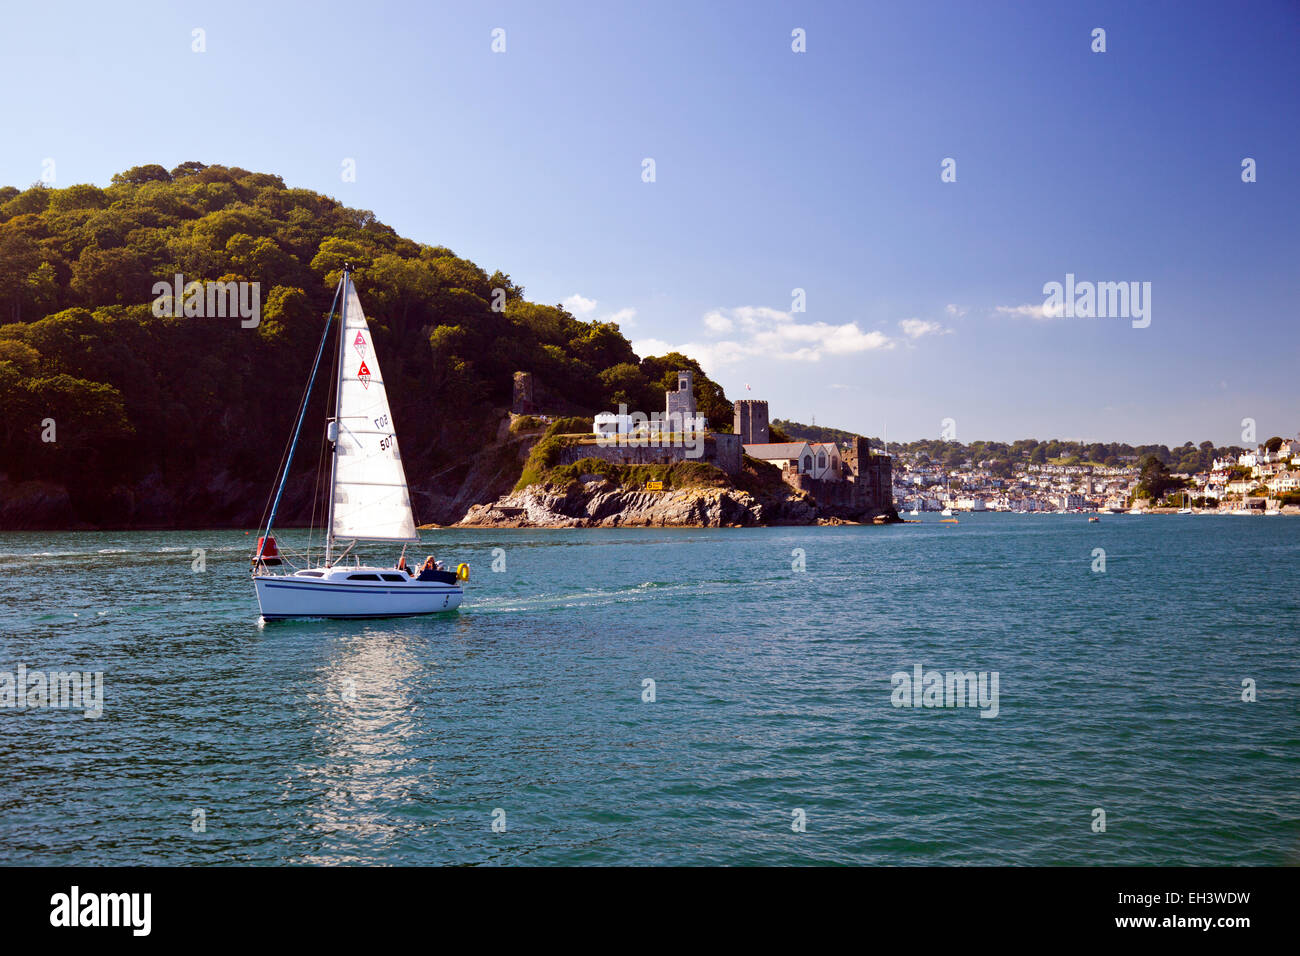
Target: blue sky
774	171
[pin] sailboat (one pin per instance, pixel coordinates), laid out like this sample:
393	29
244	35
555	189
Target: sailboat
368	500
1186	509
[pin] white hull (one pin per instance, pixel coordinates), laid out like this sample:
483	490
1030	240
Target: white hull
347	592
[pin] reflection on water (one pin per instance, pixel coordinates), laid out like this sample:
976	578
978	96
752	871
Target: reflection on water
360	765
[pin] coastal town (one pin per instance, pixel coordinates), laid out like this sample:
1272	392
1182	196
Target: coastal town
843	475
1262	481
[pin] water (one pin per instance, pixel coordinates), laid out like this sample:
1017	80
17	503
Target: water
1119	690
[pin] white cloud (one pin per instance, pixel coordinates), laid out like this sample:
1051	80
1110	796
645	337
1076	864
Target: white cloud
625	318
583	308
718	323
915	328
1031	311
701	353
770	333
579	305
956	311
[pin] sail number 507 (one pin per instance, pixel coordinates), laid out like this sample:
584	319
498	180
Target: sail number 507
381	421
386	443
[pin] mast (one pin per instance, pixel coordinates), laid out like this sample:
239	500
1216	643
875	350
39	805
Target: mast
338	400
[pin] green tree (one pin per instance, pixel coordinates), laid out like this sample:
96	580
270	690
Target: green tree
625	383
1154	480
138	175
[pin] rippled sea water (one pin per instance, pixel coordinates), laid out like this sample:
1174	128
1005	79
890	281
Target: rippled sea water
393	742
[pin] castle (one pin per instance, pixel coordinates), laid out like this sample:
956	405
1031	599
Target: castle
853	483
850	483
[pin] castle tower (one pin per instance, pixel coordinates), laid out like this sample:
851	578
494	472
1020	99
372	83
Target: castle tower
873	477
679	406
524	403
751	421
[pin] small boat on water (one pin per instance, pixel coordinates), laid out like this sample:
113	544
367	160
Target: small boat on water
946	512
368	501
1093	519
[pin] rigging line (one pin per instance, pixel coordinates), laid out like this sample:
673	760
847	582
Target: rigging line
301	409
301	415
327	452
315	494
320	473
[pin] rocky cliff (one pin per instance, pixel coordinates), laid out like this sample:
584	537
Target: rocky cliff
602	504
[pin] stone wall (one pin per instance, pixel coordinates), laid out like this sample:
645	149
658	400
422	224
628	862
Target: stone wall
723	451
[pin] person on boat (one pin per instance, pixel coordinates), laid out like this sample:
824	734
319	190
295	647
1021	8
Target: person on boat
401	566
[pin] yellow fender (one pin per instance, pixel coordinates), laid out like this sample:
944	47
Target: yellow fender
462	572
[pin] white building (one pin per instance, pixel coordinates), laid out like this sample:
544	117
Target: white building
814	459
609	424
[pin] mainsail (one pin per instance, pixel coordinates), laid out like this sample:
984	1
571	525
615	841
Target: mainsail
371	500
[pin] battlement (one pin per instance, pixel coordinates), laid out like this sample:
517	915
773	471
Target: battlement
751	422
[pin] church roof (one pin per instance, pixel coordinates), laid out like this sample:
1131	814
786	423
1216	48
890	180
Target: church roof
776	450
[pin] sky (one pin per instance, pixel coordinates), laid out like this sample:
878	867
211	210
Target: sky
773	171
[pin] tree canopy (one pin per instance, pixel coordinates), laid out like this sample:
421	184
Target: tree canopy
141	398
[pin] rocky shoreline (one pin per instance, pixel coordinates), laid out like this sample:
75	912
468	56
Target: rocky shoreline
600	503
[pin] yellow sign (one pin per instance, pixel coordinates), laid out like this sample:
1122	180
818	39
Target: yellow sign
654	486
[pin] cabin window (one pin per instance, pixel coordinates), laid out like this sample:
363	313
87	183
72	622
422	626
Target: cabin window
312	574
821	460
807	462
393	577
363	577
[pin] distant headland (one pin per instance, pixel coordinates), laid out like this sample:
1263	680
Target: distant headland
629	469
